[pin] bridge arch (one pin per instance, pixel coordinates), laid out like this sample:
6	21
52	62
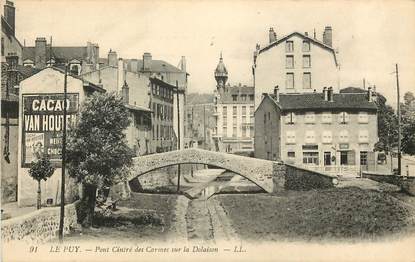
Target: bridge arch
263	173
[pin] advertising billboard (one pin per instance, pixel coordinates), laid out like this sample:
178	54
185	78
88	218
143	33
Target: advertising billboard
43	125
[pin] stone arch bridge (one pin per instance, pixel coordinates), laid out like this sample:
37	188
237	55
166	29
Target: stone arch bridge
268	175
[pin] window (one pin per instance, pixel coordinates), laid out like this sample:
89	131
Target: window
244	119
224	131
363	118
251	110
291	154
289	46
234	97
225	115
306	80
289	81
306	61
326	118
269	116
310	118
243	132
265	118
243	97
344	136
310	158
157	90
290	137
343	118
363	158
310	137
289	61
234	131
243	110
290	118
251	97
234	110
306	46
153	88
363	136
155	110
326	137
234	121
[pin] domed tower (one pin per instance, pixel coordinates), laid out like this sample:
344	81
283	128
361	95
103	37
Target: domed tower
221	75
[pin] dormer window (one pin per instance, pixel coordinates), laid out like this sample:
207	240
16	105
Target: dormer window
28	62
234	97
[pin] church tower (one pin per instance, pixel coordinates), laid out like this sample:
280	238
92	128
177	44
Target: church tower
221	75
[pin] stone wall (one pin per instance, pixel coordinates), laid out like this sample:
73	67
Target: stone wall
303	179
39	226
407	184
259	171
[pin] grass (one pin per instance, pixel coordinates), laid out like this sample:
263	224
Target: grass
340	213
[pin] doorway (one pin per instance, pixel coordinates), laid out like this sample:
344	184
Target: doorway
343	158
327	158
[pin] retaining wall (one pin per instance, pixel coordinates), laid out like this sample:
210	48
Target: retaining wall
39	226
297	178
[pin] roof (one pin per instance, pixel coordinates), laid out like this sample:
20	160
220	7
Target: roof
352	90
315	41
7	29
315	101
137	108
59	53
156	66
86	83
226	96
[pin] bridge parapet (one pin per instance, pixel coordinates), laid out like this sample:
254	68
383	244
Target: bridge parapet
268	175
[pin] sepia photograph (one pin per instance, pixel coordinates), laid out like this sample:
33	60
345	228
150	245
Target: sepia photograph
197	130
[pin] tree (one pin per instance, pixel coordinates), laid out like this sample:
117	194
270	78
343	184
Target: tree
97	153
387	125
408	123
40	170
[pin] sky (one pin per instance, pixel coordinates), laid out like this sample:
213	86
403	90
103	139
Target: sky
370	36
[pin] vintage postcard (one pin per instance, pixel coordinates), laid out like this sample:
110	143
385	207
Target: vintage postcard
197	130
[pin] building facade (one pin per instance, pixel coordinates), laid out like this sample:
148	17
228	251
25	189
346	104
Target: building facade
200	124
296	63
134	89
234	113
323	131
12	72
40	129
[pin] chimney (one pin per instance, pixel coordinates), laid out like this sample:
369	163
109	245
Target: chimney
327	36
147	61
325	95
183	64
40	52
314	33
306	34
330	94
9	15
277	93
272	35
112	58
92	53
134	65
369	94
125	90
120	75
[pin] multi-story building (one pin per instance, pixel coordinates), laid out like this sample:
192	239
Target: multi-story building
12	72
171	75
134	88
82	59
234	112
296	63
200	124
318	130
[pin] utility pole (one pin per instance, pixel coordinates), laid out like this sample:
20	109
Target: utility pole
62	213
399	121
204	126
178	135
364	84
